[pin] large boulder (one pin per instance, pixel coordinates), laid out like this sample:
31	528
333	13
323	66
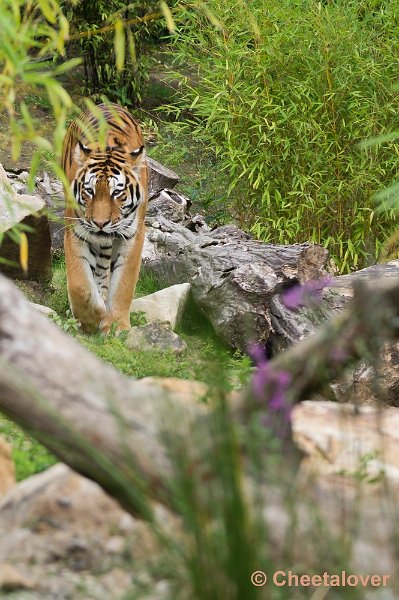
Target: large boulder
167	305
359	441
63	537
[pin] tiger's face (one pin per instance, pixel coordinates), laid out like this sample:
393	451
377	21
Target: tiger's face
107	190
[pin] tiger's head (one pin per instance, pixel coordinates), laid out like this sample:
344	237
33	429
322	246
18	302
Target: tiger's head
107	189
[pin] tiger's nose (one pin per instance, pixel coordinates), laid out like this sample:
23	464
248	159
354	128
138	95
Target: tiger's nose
101	224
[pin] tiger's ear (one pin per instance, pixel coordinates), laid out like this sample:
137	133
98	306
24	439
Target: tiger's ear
138	157
85	149
81	153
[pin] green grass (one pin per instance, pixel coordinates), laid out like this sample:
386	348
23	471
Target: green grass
28	455
203	345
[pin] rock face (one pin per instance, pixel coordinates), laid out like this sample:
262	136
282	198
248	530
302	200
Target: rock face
63	537
156	337
7	469
167	305
343	438
16	206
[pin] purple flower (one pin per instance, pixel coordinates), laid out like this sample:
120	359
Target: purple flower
338	354
271	386
305	295
257	353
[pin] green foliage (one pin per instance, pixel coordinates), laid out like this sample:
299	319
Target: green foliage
69	324
32	39
28	455
146	284
58	299
283	92
108	33
201	179
137	319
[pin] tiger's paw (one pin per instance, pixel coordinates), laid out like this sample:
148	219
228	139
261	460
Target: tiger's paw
113	326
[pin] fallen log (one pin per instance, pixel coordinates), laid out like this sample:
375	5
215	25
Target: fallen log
233	277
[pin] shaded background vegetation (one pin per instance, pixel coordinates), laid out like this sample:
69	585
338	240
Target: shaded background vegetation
279	96
283	92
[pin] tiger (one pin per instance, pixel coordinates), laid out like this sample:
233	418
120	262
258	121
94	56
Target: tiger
105	209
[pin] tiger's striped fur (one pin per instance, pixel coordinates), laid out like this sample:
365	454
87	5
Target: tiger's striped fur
105	216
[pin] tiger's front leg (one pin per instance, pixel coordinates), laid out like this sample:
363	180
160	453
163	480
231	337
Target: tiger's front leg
125	268
85	298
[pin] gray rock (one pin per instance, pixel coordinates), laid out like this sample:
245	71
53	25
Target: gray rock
155	337
169	204
166	305
43	309
14	206
61	533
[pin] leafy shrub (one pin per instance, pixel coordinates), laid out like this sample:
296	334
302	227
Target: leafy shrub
32	37
283	91
93	26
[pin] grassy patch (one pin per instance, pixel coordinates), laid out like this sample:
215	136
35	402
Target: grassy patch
204	349
203	345
28	455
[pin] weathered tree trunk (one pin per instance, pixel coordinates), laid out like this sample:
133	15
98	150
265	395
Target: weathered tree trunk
233	277
160	177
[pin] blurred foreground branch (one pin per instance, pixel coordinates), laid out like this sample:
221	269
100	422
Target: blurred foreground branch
109	427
